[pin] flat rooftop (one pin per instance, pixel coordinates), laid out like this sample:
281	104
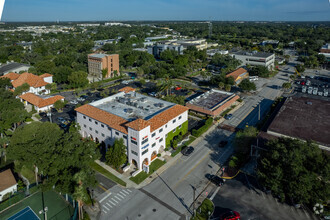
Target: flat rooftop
99	55
253	54
304	118
210	99
132	105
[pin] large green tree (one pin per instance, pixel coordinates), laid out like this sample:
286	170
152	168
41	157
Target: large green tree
297	171
246	85
78	79
116	155
57	155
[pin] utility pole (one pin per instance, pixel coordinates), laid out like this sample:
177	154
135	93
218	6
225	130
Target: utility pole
194	200
259	113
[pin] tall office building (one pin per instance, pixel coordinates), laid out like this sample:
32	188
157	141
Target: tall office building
98	62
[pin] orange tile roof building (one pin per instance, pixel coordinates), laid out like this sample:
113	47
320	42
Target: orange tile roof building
239	75
212	102
98	62
8	183
40	103
142	121
37	83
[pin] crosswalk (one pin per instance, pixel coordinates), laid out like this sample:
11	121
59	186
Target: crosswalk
114	199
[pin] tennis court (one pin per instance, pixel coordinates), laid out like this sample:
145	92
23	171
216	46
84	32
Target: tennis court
26	213
28	208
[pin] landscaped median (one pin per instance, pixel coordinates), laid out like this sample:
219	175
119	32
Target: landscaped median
204	211
155	165
106	173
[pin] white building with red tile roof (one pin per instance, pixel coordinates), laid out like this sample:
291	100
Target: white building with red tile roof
40	103
37	83
146	124
8	183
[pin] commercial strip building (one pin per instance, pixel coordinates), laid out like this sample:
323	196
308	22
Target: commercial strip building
212	102
146	124
239	75
37	83
255	58
303	118
8	183
99	62
40	103
325	50
13	68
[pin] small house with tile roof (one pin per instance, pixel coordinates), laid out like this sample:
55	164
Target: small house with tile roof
239	75
40	103
37	83
146	124
8	183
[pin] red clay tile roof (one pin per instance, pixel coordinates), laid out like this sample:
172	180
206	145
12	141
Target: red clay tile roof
127	89
11	76
112	120
237	73
165	116
138	124
29	78
45	75
40	102
7	180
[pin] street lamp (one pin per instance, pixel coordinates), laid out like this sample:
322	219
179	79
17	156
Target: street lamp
44	211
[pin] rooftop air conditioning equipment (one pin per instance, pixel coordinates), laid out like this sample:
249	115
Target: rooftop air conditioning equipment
129	111
143	99
161	105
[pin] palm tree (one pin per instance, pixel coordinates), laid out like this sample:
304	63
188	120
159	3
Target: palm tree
166	84
80	193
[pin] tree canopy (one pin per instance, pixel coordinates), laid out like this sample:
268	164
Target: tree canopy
116	155
246	85
295	170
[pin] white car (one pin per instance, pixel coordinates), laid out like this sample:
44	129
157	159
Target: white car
74	102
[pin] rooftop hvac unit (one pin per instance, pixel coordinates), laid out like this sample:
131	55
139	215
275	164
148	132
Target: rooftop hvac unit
143	99
129	111
160	105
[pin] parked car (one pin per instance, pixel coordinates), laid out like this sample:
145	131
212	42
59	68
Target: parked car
230	215
187	151
81	99
60	119
223	143
74	102
178	88
228	116
215	179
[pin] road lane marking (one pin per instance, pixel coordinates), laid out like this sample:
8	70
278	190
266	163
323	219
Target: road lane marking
120	196
108	194
117	198
106	208
125	192
122	193
215	192
193	169
112	203
109	205
114	200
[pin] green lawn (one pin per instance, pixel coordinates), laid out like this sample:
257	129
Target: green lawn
58	208
155	165
202	212
106	173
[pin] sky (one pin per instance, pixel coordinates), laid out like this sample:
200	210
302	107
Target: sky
121	10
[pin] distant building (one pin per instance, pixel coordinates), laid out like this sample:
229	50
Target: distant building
37	83
8	183
212	52
158	48
274	43
13	68
325	50
98	62
303	118
146	124
212	102
239	75
255	58
117	24
200	44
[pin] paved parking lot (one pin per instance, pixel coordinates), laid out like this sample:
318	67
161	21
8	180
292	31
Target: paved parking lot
242	195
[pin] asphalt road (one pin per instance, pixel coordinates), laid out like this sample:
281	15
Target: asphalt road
242	195
258	104
170	196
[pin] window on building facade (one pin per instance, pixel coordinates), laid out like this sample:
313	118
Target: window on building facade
96	122
102	135
134	142
84	117
125	137
85	126
109	128
133	152
90	128
161	140
180	126
165	126
96	131
144	141
102	125
117	133
180	117
160	130
174	121
153	134
90	119
144	152
153	145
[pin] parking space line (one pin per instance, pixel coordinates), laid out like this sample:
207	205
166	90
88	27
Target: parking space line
109	205
115	200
